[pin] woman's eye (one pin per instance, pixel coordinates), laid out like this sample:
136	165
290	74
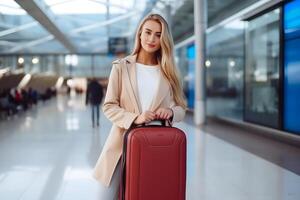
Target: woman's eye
147	32
158	35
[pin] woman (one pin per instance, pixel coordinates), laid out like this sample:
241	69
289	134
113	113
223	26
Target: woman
142	87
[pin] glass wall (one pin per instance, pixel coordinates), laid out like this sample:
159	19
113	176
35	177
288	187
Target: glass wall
83	66
246	78
220	10
262	69
182	62
86	65
8	62
102	65
224	71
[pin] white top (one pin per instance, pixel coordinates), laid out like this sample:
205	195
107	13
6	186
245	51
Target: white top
147	82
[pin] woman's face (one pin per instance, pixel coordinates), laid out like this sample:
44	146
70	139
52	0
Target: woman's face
150	36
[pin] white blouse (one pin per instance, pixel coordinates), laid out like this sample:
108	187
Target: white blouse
147	82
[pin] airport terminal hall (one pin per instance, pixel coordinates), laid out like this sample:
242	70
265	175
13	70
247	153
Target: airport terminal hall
149	99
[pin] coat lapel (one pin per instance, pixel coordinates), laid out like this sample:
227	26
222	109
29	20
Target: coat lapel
131	71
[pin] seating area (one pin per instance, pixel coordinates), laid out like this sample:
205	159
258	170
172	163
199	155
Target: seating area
15	99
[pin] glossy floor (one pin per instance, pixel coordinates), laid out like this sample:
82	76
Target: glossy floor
48	153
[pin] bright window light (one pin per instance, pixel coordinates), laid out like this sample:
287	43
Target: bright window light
35	60
59	82
231	63
9	7
21	60
237	24
207	63
24	81
76	7
71	60
61	7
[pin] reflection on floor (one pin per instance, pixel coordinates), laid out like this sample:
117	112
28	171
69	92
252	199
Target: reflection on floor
48	153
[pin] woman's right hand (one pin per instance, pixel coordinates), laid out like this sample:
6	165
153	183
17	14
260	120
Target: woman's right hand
145	117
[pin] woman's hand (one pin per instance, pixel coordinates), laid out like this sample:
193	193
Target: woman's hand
164	113
145	117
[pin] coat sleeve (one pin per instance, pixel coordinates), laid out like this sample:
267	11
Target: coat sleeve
111	106
178	111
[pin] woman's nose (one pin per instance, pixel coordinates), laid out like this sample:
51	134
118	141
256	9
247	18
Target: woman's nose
152	38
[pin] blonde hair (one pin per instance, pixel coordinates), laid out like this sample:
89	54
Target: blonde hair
164	56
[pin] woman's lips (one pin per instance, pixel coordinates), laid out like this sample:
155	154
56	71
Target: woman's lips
151	45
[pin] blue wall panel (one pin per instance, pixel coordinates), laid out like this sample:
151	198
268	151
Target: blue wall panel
191	75
292	67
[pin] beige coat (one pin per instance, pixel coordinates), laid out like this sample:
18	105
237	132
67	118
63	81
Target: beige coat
122	106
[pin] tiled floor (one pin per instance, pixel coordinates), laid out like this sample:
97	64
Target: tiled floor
48	153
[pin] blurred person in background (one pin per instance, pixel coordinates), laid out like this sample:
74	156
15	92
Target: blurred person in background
94	95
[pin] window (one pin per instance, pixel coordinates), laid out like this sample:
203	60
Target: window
262	69
225	71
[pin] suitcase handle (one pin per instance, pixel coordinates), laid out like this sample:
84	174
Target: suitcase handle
162	122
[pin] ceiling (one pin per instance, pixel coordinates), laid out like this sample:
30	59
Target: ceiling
70	26
217	10
85	26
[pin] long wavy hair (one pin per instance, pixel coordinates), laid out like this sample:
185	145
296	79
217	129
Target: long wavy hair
164	55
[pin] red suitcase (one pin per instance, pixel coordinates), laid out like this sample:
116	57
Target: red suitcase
153	164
